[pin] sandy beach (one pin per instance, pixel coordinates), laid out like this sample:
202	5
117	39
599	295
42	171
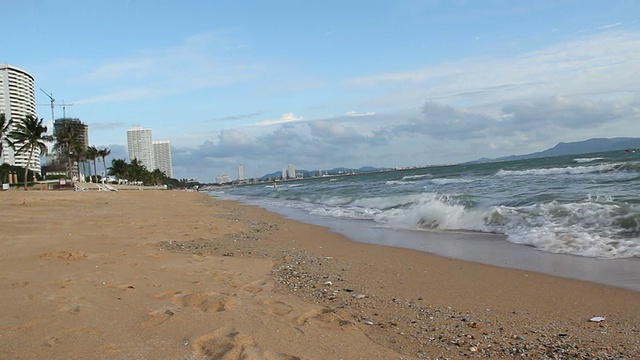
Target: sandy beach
181	275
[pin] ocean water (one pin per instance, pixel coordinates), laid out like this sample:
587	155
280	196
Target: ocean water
584	205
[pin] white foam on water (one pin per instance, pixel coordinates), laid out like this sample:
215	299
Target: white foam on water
591	229
445	181
586	160
569	170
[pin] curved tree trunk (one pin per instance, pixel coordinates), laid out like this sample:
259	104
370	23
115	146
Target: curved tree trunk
26	169
69	165
104	165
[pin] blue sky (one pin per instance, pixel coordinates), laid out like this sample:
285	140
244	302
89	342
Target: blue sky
333	83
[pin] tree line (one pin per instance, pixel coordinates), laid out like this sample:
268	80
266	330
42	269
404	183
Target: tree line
29	136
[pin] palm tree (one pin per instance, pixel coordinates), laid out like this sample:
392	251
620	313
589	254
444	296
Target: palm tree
137	170
5	125
156	177
92	155
103	153
29	135
79	153
66	136
119	168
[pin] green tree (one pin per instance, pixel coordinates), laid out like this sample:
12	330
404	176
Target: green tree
66	137
92	155
137	171
29	136
78	154
103	153
118	168
156	177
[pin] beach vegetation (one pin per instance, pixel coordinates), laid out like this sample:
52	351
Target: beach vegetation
66	137
156	176
78	154
137	172
92	155
103	153
118	168
29	136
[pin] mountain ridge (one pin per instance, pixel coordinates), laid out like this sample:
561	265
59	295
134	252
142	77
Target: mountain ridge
592	145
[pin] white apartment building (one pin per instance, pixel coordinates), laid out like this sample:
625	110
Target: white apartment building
162	157
223	179
291	171
240	173
140	146
17	100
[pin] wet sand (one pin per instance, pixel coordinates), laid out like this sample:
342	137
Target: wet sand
179	275
491	249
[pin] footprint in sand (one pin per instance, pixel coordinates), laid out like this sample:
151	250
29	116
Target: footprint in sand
276	308
63	284
201	301
228	344
326	316
256	287
51	341
19	284
156	318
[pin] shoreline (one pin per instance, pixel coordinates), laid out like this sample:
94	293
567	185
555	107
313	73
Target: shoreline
181	275
483	248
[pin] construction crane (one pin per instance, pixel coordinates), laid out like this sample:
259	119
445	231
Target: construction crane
50	96
53	105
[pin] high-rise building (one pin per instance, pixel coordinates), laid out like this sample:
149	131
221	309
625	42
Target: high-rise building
81	129
140	146
162	157
82	132
223	179
17	100
291	171
240	173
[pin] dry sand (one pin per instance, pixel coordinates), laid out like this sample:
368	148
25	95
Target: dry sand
180	275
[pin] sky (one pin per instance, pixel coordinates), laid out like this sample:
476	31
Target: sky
325	84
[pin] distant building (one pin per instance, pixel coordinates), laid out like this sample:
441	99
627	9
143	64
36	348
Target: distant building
284	173
222	179
162	157
79	127
140	146
17	100
240	173
291	171
54	163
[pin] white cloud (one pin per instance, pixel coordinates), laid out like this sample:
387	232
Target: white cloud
590	66
286	118
355	113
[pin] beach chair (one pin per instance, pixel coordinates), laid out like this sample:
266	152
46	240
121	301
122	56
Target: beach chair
109	187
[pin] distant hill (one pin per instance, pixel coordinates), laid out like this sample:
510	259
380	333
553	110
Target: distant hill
335	171
573	148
